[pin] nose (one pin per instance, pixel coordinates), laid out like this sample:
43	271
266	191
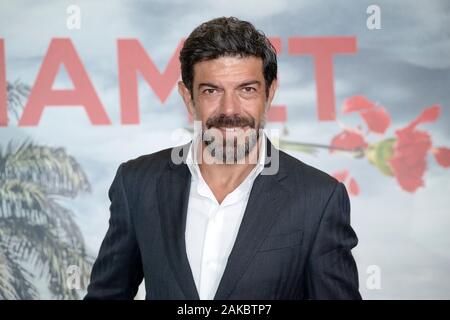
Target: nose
229	104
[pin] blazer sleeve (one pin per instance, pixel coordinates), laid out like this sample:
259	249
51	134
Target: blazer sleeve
117	271
331	271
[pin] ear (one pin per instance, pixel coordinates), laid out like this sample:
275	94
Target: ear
272	90
186	96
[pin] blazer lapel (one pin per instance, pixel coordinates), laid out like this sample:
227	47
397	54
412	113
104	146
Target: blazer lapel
173	197
265	200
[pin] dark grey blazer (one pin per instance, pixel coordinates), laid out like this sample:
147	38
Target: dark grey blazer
294	241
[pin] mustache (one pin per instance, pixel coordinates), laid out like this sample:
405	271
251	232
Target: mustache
223	120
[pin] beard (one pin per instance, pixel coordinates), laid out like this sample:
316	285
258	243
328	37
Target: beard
230	139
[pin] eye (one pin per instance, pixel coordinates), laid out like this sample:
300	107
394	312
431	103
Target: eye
248	89
209	91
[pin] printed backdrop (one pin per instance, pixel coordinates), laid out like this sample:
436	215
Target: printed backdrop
363	95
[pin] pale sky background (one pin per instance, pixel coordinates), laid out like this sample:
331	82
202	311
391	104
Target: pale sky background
405	67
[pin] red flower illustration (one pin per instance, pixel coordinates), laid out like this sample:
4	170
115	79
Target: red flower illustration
404	157
409	161
348	140
410	151
442	156
375	117
357	103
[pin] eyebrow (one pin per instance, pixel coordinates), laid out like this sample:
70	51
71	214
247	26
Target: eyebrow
207	84
244	84
248	83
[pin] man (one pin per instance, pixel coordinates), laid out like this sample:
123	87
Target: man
227	216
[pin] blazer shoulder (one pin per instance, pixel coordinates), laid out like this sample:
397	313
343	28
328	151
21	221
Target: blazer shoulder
313	186
310	177
148	162
145	168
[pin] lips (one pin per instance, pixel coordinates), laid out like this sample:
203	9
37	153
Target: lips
232	129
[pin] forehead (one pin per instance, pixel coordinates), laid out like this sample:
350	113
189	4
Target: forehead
229	69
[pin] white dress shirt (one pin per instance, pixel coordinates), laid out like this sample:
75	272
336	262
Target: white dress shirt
211	228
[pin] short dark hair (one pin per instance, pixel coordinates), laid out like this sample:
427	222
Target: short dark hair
226	37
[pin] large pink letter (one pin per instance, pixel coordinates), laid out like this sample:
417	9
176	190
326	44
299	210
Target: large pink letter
133	58
3	106
62	51
323	49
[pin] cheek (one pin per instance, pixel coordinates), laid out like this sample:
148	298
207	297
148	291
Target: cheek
206	108
255	109
202	114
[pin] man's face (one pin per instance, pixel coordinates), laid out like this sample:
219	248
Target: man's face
229	98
